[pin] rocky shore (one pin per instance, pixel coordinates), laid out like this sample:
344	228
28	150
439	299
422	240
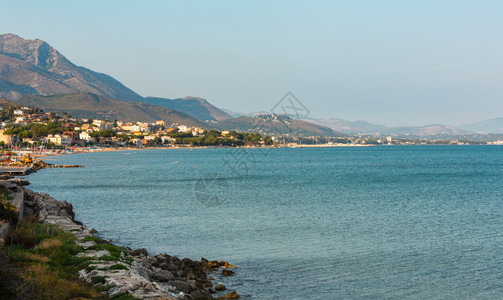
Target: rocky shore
121	270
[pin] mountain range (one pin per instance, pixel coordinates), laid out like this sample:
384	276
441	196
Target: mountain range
487	126
88	105
34	73
195	107
361	127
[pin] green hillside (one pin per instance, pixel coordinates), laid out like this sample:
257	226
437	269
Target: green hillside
87	105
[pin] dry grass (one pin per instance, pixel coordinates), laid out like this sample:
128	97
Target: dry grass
37	257
47	285
50	244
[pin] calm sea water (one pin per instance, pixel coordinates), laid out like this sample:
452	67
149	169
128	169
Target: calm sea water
328	223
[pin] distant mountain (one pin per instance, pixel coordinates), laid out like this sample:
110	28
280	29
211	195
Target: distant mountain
275	125
424	131
232	113
87	105
350	127
364	127
487	126
34	67
195	107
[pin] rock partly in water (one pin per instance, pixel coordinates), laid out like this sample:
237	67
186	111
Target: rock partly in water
138	252
231	295
227	272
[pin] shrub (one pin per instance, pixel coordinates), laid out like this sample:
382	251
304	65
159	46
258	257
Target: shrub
22	236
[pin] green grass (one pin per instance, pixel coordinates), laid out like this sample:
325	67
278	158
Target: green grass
109	258
114	250
105	287
124	297
119	267
93	238
90	268
98	279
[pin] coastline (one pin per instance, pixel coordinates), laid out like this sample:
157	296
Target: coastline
126	271
46	155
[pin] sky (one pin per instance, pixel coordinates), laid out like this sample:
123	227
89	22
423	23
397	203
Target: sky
387	62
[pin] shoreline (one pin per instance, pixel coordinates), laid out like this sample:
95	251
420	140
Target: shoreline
44	155
39	155
141	275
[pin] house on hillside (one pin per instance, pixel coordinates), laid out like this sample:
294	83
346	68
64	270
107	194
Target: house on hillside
71	135
59	140
85	136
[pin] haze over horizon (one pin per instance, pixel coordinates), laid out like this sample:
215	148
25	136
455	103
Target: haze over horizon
392	63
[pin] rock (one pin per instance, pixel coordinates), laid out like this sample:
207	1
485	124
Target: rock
93	231
181	273
201	295
163	275
93	253
227	272
193	283
181	286
220	287
152	260
166	266
231	295
138	252
142	270
87	244
161	259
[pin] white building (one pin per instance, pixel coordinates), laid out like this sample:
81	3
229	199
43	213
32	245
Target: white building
183	128
84	136
167	139
59	140
132	128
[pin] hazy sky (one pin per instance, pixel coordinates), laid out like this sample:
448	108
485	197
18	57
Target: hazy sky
389	62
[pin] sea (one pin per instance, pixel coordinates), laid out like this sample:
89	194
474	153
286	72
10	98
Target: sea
383	222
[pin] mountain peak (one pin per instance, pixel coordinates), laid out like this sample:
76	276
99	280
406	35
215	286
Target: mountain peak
202	100
35	52
34	67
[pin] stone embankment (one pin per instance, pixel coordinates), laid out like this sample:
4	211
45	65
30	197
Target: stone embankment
40	164
123	270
